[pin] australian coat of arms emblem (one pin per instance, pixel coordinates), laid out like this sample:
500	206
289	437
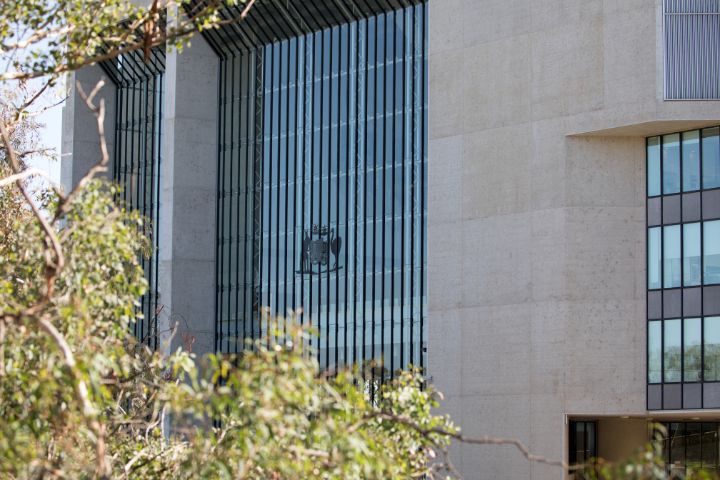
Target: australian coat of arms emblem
320	251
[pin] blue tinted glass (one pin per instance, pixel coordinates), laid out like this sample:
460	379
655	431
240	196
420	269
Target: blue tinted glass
711	349
711	252
672	352
671	256
654	252
327	210
653	166
692	349
692	265
691	160
655	352
671	163
711	157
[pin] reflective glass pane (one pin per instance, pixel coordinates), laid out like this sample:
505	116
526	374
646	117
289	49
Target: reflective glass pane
676	434
671	256
671	163
655	352
691	160
692	349
693	457
692	268
709	445
712	349
672	351
711	252
711	157
654	258
653	166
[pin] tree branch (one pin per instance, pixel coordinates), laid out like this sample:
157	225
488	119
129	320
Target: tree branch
485	440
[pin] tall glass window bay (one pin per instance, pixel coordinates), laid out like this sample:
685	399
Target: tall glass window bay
671	256
683	270
323	190
137	157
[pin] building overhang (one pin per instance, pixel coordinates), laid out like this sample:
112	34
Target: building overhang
270	21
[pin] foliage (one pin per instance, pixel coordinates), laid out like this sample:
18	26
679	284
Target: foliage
41	37
80	398
270	413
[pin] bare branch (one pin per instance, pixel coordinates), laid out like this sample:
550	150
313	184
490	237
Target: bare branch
152	37
246	10
27	173
53	267
485	440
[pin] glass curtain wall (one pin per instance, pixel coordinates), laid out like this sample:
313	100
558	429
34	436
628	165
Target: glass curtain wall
136	162
683	249
322	190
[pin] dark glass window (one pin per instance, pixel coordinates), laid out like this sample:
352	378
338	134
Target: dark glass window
582	442
690	446
323	192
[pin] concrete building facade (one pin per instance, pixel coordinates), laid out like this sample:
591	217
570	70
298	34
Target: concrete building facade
505	153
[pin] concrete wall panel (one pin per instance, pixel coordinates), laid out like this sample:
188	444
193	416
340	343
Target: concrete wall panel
553	99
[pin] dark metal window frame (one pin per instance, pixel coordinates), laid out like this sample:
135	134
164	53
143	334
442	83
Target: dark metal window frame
136	162
712	427
589	453
247	110
702	287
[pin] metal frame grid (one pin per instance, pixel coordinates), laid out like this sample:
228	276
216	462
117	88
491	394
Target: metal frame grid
271	21
665	315
323	136
691	444
691	60
136	162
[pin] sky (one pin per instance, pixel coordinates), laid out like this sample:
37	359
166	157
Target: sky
51	135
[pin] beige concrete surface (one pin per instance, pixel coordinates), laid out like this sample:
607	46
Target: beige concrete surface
536	222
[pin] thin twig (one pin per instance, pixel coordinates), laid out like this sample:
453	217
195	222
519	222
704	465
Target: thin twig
485	440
